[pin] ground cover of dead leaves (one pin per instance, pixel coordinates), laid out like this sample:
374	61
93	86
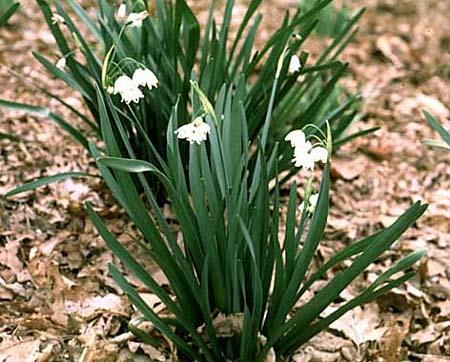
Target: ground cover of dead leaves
57	301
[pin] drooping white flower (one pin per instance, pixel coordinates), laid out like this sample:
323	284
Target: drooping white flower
61	63
128	90
122	11
145	77
58	19
296	137
135	19
305	154
312	203
294	64
197	131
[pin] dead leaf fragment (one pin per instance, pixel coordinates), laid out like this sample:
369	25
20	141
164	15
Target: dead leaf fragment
228	326
361	325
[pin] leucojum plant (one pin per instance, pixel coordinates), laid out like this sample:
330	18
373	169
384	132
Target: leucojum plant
235	280
145	54
218	144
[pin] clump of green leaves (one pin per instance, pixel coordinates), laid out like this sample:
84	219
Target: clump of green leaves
176	48
232	265
7	9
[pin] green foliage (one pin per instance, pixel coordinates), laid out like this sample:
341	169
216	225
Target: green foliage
7	9
332	20
172	44
445	135
231	262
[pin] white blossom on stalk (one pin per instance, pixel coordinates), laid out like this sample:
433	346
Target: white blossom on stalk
122	11
311	205
135	19
296	137
294	64
197	131
58	19
128	89
61	63
305	154
145	77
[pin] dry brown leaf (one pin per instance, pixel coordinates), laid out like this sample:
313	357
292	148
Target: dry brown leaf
26	350
228	326
361	325
348	168
110	304
395	49
8	256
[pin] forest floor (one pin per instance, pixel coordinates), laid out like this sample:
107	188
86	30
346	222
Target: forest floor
57	301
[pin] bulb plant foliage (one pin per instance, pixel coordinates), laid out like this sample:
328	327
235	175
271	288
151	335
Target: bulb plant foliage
145	58
444	143
232	265
7	9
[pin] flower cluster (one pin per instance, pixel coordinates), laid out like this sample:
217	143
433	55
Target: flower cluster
128	87
195	132
306	155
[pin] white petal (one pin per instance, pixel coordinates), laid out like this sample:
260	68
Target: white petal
123	83
61	64
145	77
135	19
194	132
313	203
319	154
58	19
308	162
296	137
294	64
122	12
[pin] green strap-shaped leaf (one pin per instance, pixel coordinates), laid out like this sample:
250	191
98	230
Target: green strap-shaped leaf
45	112
11	137
127	164
44	181
7	15
445	135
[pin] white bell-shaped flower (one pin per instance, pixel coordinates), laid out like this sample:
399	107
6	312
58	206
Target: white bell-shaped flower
312	203
61	63
294	64
145	77
135	19
195	132
296	137
58	19
128	89
122	11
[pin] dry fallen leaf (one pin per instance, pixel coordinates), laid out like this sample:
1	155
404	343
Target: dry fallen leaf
361	324
228	326
26	350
